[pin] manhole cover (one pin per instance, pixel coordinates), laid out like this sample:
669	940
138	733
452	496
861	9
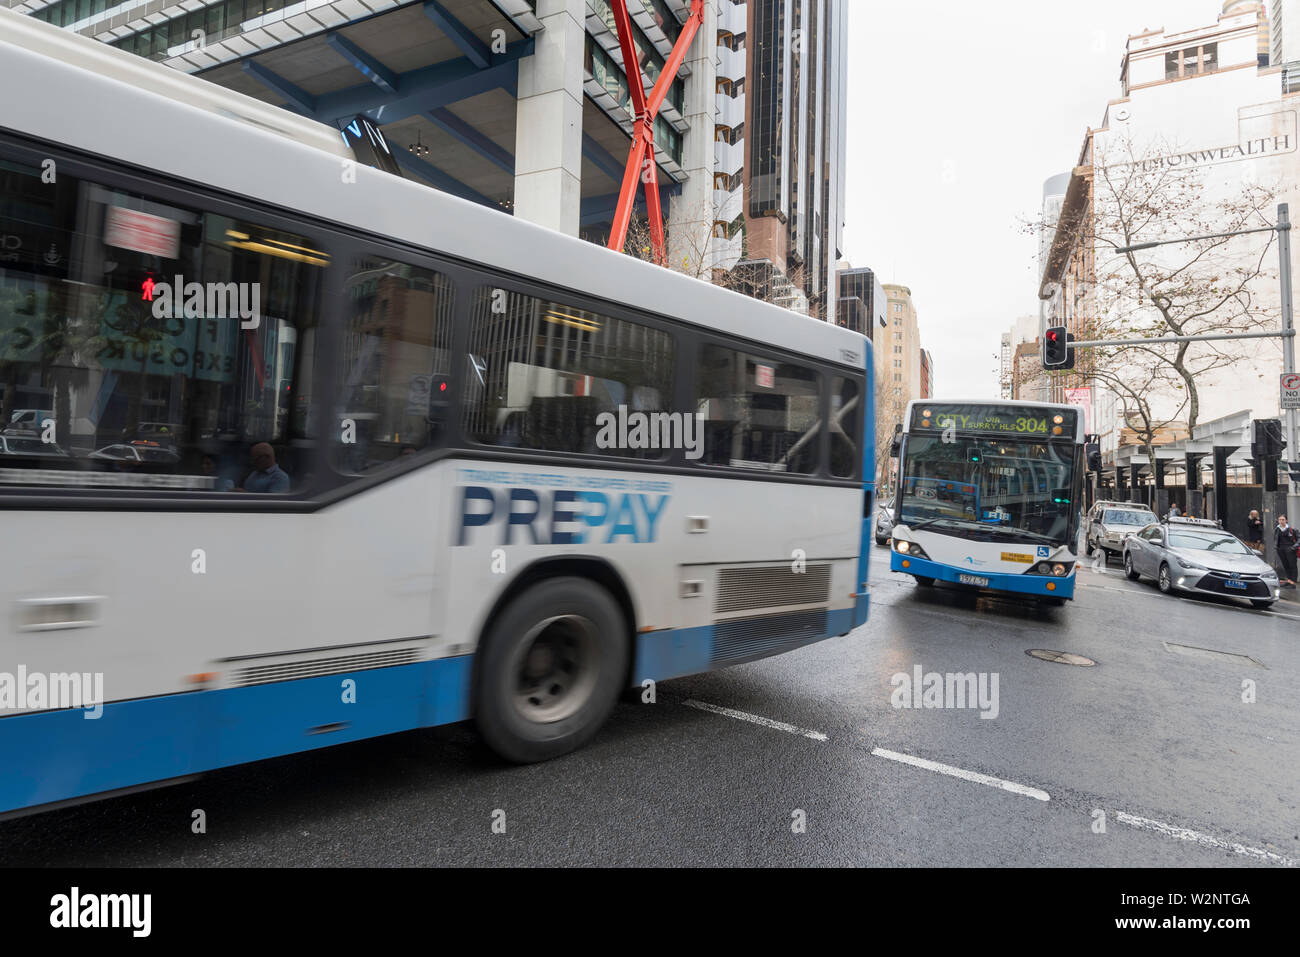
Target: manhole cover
1210	654
1060	657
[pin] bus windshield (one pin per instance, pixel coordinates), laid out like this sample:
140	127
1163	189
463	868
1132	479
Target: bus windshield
995	489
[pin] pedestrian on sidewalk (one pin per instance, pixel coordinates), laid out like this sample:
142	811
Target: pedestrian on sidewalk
1286	546
1255	530
1173	510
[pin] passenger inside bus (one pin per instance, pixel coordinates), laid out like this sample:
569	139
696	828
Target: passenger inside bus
266	475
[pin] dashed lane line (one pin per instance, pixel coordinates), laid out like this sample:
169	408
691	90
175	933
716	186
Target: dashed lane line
754	719
1199	837
1023	790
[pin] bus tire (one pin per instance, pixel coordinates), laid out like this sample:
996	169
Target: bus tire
925	581
550	669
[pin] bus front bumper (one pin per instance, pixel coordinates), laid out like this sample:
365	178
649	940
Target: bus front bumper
1062	587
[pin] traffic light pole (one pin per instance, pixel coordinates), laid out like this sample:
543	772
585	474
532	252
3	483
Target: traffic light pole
1286	334
1288	351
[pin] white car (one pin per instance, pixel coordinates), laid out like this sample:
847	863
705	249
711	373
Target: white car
1111	525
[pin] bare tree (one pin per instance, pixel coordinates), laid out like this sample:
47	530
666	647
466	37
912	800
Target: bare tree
1196	288
891	408
1134	390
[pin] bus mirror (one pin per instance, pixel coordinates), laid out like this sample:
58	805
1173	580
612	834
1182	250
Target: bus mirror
895	445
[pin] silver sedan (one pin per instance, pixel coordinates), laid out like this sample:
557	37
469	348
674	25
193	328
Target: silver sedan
1198	556
884	522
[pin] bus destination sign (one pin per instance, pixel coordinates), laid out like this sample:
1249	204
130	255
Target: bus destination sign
995	420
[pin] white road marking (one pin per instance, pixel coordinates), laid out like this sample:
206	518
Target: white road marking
755	719
1021	789
1145	590
1205	840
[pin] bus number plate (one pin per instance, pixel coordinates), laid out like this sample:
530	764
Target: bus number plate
973	580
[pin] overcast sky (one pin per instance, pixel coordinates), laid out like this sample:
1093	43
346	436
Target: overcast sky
958	110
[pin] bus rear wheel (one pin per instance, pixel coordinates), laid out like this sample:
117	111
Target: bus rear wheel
550	669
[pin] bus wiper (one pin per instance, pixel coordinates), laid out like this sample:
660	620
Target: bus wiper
1032	536
957	522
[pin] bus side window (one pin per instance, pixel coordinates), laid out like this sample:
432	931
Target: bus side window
395	364
846	427
140	333
769	412
554	377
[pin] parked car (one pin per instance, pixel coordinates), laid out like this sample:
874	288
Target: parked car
1111	524
1195	554
25	448
137	453
884	522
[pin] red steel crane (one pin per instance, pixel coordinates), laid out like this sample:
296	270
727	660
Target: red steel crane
641	166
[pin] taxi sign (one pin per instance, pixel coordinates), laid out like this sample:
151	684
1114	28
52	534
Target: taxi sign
1187	520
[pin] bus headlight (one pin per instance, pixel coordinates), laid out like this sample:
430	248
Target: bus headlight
910	549
1058	569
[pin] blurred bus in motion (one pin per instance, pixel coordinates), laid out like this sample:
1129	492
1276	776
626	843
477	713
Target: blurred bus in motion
410	461
989	496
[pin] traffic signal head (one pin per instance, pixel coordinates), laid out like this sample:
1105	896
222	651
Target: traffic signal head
1057	351
1267	441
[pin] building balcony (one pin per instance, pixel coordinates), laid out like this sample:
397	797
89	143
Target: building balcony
724	253
731	110
732	17
728	204
731	63
728	157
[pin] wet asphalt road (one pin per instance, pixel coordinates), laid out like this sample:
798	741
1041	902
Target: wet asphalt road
1154	741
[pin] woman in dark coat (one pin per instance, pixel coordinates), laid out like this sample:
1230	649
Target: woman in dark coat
1286	545
1255	530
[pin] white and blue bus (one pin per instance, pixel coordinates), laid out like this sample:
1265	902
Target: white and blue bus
355	457
989	496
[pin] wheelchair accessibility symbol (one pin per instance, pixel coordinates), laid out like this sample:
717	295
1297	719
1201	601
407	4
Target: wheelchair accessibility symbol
1042	551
